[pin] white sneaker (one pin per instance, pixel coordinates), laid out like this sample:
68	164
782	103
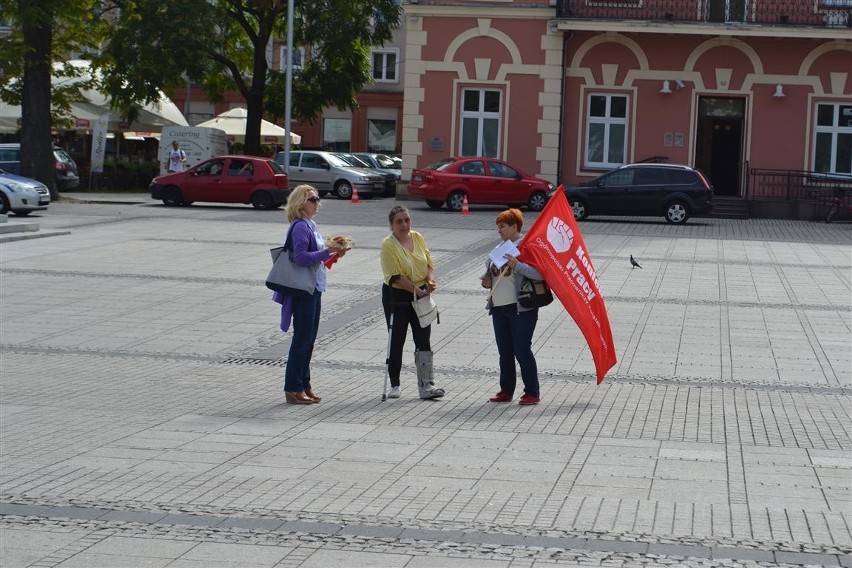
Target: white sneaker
394	392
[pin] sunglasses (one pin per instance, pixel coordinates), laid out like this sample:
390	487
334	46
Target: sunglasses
313	199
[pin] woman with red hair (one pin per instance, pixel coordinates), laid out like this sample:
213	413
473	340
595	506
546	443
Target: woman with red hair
513	323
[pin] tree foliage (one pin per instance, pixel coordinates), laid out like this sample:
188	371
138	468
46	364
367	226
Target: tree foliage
76	27
224	44
43	32
143	46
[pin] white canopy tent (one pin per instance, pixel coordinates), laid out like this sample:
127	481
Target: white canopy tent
152	117
233	122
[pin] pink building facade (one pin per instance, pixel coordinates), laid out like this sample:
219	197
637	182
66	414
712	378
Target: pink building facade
757	94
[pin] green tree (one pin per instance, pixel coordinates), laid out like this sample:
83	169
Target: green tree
223	44
43	32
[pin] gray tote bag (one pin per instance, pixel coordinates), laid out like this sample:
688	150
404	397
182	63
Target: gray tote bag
286	276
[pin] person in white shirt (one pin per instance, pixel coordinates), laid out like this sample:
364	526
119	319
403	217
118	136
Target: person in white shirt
177	158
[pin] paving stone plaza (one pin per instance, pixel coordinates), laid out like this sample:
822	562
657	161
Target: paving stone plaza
143	423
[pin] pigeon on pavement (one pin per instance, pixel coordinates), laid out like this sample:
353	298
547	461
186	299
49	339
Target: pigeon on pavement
633	263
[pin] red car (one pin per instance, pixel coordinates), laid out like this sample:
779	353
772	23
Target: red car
482	180
226	179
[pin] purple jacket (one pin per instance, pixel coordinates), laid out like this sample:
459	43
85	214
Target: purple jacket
305	249
305	252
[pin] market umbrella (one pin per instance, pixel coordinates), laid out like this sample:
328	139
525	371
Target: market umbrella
233	122
152	116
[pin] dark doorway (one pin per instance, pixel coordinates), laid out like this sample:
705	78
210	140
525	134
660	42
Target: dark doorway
726	10
718	148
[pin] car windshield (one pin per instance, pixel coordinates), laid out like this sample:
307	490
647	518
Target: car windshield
336	161
353	161
386	162
440	164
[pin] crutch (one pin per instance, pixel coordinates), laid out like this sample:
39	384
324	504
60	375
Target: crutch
387	359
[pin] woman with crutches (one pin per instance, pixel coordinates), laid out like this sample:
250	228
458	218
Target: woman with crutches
408	274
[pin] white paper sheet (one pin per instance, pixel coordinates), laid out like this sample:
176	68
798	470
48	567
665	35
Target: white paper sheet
506	247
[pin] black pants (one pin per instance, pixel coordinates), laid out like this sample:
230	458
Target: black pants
398	302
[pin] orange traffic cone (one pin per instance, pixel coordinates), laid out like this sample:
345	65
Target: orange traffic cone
355	198
465	207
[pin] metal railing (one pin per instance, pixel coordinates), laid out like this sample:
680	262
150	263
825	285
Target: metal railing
820	13
794	185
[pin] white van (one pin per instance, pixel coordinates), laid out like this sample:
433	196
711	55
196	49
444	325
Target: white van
198	142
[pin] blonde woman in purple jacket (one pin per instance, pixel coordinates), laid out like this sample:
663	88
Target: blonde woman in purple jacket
309	249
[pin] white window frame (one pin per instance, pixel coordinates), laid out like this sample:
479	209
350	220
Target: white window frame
384	52
608	121
834	131
282	62
480	115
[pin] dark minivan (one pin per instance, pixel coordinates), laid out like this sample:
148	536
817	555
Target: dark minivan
674	191
66	169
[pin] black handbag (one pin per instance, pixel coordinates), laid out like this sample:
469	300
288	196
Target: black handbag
534	293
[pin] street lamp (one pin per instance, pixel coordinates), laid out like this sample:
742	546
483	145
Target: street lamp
288	97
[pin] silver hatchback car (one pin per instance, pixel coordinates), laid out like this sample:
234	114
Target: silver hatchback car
330	174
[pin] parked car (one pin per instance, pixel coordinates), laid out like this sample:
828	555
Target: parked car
22	195
329	174
482	180
66	169
357	162
226	179
674	191
384	163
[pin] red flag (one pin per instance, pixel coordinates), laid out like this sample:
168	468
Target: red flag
555	247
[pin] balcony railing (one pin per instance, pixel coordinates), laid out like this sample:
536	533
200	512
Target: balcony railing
819	13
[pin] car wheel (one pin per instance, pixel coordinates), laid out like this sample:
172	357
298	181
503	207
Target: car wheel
455	200
4	204
677	212
434	204
578	207
343	189
172	196
537	201
262	200
279	205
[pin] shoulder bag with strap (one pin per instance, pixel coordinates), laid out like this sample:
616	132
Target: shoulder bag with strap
533	293
288	277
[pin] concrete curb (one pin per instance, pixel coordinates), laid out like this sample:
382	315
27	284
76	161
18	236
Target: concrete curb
8	238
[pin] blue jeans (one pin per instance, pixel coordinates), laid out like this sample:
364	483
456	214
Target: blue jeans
306	317
513	331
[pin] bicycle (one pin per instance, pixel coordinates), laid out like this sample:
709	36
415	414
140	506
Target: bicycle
838	203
